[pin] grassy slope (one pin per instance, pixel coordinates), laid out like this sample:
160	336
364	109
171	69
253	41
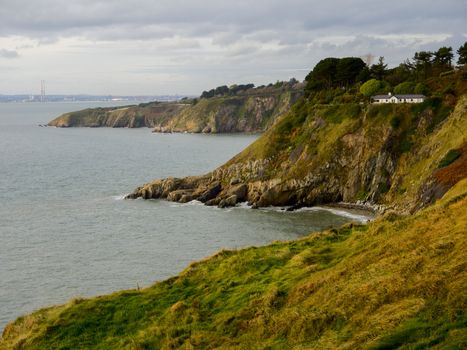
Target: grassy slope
399	282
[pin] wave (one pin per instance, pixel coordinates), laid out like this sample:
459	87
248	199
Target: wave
348	213
120	197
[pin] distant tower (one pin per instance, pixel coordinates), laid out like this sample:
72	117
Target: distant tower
368	59
42	90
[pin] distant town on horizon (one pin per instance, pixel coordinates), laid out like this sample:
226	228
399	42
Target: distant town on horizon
87	98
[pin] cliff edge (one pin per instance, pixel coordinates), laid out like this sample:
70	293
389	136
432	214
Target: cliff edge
401	156
252	110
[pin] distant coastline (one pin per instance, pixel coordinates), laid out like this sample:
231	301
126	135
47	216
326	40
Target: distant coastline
21	98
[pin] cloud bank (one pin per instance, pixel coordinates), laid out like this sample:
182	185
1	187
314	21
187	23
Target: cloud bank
158	47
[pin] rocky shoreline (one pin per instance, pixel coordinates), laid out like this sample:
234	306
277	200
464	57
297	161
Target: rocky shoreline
214	191
357	164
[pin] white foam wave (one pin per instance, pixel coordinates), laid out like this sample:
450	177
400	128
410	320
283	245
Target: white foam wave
120	197
348	214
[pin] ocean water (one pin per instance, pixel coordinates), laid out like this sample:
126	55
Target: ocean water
65	230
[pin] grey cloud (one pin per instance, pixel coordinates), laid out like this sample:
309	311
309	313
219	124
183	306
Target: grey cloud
8	53
147	18
213	42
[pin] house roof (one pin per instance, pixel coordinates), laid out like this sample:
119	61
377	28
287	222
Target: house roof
381	97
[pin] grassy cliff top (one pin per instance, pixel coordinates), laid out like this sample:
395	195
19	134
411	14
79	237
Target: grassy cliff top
397	283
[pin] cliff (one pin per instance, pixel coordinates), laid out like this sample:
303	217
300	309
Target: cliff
144	115
388	156
398	282
253	110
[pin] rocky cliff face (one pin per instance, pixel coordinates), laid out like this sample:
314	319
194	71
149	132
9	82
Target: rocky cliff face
246	113
148	115
389	156
254	111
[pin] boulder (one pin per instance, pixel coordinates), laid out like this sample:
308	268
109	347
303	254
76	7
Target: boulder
240	191
210	193
185	198
228	202
212	202
176	196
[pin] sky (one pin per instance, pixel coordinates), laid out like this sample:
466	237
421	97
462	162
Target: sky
158	47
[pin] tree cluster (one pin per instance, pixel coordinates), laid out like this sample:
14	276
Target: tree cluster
335	72
224	90
338	79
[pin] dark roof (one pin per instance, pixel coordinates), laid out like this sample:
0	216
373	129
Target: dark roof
379	97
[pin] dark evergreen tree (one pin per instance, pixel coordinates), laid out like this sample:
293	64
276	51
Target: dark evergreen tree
348	69
443	57
378	70
323	74
422	61
399	74
462	52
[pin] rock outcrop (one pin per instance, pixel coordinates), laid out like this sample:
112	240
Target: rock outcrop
309	159
145	115
250	111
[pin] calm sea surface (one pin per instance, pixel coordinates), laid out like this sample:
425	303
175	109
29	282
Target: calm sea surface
65	230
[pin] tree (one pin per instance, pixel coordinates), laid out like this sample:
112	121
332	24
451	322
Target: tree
399	74
378	70
421	89
462	52
423	62
348	69
221	90
323	74
443	57
370	87
407	87
364	74
207	94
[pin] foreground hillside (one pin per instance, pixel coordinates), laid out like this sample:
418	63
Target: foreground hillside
397	283
250	111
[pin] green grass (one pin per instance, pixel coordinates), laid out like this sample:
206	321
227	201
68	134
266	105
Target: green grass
397	283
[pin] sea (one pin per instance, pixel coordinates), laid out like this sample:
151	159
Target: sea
66	230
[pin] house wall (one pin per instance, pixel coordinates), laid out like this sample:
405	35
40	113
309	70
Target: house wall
396	100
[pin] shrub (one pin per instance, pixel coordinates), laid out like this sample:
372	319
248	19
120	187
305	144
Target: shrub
370	87
421	88
407	87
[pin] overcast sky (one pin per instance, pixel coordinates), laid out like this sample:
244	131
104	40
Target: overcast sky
168	47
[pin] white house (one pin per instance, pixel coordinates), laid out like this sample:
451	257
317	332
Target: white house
390	98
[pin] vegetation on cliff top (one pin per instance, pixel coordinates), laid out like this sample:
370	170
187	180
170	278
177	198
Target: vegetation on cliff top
397	283
332	145
380	153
